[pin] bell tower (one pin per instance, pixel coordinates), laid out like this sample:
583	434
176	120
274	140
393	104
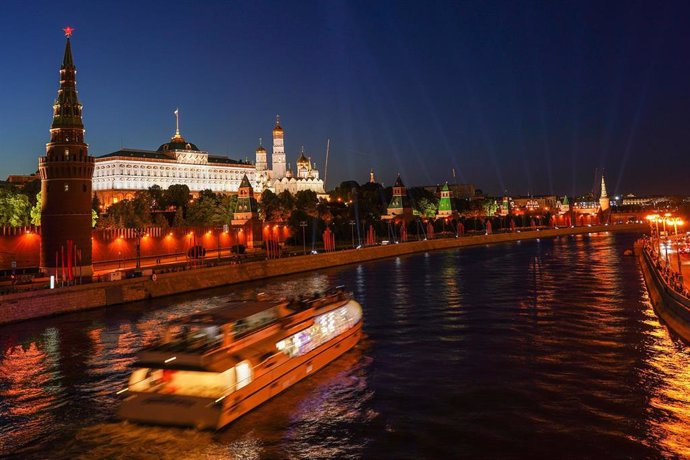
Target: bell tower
278	151
66	174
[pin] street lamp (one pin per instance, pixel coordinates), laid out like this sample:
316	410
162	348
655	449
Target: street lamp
139	234
303	224
352	230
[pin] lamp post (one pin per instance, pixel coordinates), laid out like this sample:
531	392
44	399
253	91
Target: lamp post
303	224
220	229
139	234
654	219
352	230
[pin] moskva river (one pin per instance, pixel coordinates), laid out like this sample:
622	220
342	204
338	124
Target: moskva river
545	349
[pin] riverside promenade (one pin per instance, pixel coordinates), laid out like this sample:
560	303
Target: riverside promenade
42	303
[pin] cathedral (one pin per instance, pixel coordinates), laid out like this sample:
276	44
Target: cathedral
280	179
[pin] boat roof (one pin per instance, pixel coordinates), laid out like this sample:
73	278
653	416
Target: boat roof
229	313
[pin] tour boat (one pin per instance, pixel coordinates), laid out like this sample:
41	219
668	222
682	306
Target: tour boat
210	368
670	299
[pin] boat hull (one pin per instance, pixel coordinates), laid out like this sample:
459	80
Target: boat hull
672	308
207	413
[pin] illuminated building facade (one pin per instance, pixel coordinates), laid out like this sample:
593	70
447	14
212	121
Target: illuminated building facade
66	173
119	175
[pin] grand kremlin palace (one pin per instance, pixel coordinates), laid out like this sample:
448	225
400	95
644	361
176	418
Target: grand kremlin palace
119	175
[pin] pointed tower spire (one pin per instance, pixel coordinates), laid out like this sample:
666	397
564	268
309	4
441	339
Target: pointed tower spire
372	177
603	187
66	178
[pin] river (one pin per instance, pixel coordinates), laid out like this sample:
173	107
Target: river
532	349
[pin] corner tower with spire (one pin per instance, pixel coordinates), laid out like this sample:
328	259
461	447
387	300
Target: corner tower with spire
66	176
604	204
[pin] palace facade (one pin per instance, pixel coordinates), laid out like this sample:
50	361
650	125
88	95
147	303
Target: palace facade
119	175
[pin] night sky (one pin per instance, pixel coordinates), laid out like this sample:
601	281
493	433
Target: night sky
531	97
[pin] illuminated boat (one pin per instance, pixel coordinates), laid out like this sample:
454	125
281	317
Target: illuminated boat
672	305
210	368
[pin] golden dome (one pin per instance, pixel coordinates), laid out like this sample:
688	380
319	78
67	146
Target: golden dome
302	161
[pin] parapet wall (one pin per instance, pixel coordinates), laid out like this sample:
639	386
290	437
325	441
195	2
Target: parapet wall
34	304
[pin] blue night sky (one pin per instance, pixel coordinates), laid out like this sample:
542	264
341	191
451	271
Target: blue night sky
531	97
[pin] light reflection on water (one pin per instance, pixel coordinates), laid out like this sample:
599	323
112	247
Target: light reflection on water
533	349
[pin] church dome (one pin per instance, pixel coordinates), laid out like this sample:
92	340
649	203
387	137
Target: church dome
260	149
302	161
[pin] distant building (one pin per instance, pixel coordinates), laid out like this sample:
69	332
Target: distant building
464	191
523	204
20	181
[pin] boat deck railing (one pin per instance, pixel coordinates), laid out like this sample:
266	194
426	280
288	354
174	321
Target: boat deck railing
673	281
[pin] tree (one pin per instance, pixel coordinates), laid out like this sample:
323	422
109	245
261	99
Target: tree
490	207
306	201
156	193
269	205
286	205
36	211
176	195
206	210
94	218
15	208
96	204
344	191
178	221
159	220
228	203
423	201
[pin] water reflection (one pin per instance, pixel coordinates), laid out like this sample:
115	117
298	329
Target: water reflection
536	348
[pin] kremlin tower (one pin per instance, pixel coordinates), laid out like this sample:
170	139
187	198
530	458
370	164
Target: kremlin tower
604	202
278	151
66	173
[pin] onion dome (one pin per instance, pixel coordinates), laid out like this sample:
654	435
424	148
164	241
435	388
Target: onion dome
260	148
277	128
302	161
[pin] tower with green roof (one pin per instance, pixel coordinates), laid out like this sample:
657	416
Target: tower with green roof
400	203
445	204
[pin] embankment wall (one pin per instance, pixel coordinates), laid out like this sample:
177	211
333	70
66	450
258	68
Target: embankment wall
35	304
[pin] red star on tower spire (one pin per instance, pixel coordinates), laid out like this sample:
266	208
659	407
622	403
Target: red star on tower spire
68	31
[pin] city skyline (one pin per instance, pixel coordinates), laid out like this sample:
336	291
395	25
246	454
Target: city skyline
466	98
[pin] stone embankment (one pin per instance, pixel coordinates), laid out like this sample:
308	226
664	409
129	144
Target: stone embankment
35	304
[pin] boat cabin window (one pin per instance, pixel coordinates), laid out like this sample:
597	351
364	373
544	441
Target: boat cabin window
325	327
193	336
255	321
184	383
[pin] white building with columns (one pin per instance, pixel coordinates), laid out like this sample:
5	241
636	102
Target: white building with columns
119	175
